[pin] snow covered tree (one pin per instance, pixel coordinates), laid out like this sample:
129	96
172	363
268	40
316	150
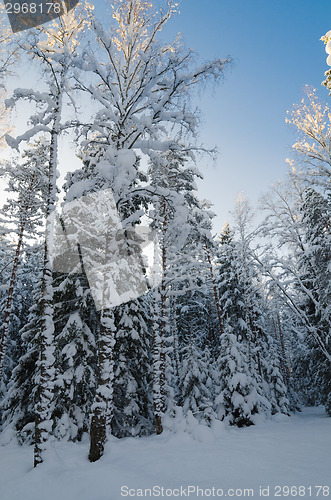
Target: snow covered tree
19	405
75	355
53	47
312	120
132	402
284	223
28	182
140	88
276	392
327	40
314	273
25	283
194	384
241	387
312	276
238	398
173	183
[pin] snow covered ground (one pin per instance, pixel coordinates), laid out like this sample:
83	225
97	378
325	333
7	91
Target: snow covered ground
286	452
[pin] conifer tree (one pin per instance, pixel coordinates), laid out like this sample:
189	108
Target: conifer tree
241	392
194	384
314	275
19	404
75	355
28	182
53	47
140	87
132	376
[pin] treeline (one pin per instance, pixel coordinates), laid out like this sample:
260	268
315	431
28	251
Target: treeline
94	337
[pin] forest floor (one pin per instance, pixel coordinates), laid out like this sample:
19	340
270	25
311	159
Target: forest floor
286	451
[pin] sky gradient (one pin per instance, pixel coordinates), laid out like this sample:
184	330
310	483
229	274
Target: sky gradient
277	50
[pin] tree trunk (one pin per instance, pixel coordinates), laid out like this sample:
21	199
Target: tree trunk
98	435
102	407
160	330
284	357
157	398
43	413
255	331
163	329
217	304
43	422
6	321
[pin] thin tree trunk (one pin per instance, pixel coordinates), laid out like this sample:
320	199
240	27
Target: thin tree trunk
44	407
156	367
217	304
6	321
101	411
43	410
255	333
160	335
284	357
175	337
163	329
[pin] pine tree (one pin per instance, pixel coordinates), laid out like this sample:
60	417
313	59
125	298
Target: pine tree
53	47
241	393
132	377
28	182
277	394
140	88
238	398
26	280
75	356
314	275
182	225
194	386
19	404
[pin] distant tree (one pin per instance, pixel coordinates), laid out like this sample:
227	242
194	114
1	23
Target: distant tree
284	222
194	384
238	398
26	211
312	119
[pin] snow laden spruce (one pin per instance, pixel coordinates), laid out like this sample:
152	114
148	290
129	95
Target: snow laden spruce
122	313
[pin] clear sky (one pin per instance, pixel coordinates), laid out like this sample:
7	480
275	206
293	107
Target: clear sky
277	50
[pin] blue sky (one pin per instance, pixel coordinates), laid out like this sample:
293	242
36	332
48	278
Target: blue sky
276	50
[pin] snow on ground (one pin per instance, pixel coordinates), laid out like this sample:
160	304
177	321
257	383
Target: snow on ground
287	451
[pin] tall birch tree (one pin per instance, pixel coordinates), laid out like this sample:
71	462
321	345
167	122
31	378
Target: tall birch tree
141	88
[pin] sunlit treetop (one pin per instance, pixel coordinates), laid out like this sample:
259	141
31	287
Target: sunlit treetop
65	31
137	25
327	40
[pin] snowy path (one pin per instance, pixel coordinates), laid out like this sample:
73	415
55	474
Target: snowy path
292	451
